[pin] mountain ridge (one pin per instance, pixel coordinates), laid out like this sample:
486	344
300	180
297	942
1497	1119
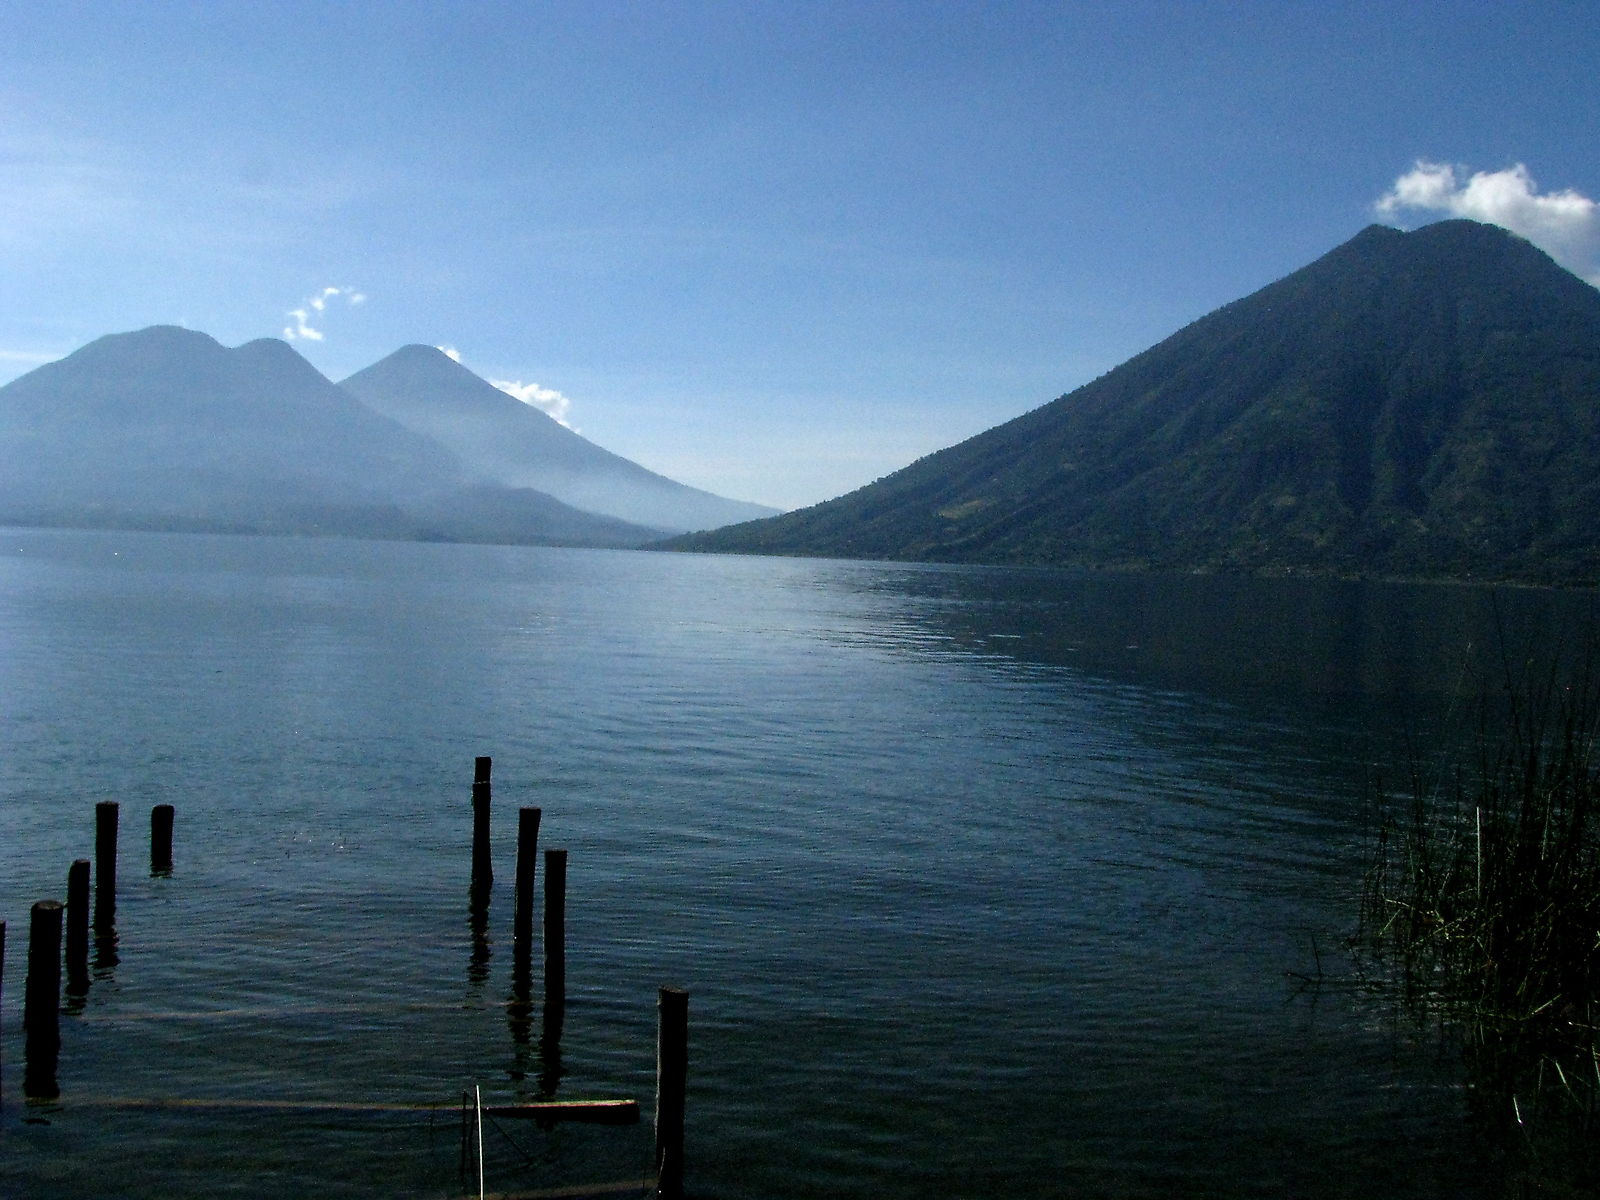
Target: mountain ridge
165	428
504	441
1408	404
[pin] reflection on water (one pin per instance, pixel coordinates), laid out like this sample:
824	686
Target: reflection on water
551	1022
985	882
1230	636
478	926
105	957
519	1018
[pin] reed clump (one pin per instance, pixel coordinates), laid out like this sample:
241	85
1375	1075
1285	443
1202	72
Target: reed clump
1483	896
1481	909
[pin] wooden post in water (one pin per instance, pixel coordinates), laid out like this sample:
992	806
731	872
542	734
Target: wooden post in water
672	1075
105	864
555	926
161	839
2	968
41	1004
482	863
78	925
527	857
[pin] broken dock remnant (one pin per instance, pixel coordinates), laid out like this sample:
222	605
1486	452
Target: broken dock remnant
105	864
161	839
672	1075
41	1004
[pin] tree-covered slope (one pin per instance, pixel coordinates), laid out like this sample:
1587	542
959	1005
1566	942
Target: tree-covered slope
1410	404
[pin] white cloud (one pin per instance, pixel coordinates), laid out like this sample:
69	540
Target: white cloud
30	357
301	327
547	400
320	300
1565	224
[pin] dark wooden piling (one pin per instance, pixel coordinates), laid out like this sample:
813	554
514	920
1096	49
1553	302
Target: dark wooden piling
482	863
78	926
527	857
105	863
41	1004
672	1075
161	839
555	971
555	926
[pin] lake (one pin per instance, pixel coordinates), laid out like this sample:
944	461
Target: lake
982	882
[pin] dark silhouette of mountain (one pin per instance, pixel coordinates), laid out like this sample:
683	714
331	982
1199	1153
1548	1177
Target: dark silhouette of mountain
166	429
502	440
1410	404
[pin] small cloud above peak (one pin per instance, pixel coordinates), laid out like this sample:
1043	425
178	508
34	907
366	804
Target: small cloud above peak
320	300
450	352
547	400
1564	224
301	328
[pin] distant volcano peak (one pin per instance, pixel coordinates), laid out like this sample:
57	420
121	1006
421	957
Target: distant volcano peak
513	444
1409	404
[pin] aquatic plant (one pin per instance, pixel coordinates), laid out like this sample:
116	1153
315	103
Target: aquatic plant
1481	910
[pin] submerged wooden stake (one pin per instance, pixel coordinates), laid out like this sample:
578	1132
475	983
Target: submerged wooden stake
41	1005
105	863
161	840
527	856
78	925
482	864
672	1074
555	926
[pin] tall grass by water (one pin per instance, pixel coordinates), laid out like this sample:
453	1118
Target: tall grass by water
1481	913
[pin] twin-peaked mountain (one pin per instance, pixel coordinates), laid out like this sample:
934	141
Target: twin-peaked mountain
166	429
1410	404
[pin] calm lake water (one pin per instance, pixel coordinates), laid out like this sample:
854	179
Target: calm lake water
982	882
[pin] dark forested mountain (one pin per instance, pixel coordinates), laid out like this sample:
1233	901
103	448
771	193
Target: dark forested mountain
502	440
166	429
1410	404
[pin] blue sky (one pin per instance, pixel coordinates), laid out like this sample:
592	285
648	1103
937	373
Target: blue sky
776	250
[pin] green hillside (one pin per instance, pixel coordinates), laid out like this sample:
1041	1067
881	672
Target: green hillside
1410	404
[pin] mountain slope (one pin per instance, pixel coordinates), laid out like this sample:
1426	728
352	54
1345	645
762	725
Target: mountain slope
165	428
505	441
1422	403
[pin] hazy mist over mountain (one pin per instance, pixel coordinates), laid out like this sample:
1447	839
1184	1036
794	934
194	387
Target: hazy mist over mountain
165	428
499	439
